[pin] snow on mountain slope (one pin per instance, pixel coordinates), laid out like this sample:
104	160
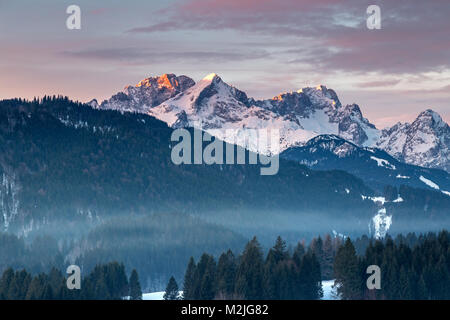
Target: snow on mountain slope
214	106
433	185
425	142
146	94
429	183
304	105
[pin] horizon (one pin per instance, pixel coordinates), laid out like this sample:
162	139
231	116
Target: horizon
412	116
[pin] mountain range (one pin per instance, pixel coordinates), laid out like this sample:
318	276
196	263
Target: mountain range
61	160
213	105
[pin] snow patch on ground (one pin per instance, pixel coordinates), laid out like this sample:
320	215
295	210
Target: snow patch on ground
329	291
429	183
383	163
375	199
155	295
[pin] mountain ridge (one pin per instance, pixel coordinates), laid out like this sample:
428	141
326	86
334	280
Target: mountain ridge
213	105
374	166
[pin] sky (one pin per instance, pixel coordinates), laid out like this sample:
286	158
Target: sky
263	47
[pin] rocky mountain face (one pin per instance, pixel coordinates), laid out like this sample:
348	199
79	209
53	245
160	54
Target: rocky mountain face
213	105
306	104
425	142
147	93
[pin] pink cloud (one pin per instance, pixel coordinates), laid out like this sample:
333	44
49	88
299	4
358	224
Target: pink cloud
414	37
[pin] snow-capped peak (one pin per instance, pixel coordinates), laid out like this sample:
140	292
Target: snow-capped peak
424	142
148	93
211	77
431	118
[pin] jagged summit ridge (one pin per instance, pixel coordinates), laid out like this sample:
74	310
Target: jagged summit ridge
147	93
424	142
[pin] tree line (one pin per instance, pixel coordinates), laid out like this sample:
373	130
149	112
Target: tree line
411	267
252	276
105	282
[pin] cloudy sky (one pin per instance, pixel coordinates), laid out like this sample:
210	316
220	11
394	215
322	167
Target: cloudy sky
262	47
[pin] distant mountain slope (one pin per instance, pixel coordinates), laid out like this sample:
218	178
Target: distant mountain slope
374	166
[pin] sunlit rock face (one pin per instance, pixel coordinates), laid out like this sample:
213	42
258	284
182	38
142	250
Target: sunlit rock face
147	93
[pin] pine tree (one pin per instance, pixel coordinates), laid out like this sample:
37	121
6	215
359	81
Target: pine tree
309	278
5	282
249	278
270	277
279	250
135	286
47	292
171	290
225	275
101	291
405	290
422	292
205	279
34	290
189	281
346	270
327	259
56	280
299	252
